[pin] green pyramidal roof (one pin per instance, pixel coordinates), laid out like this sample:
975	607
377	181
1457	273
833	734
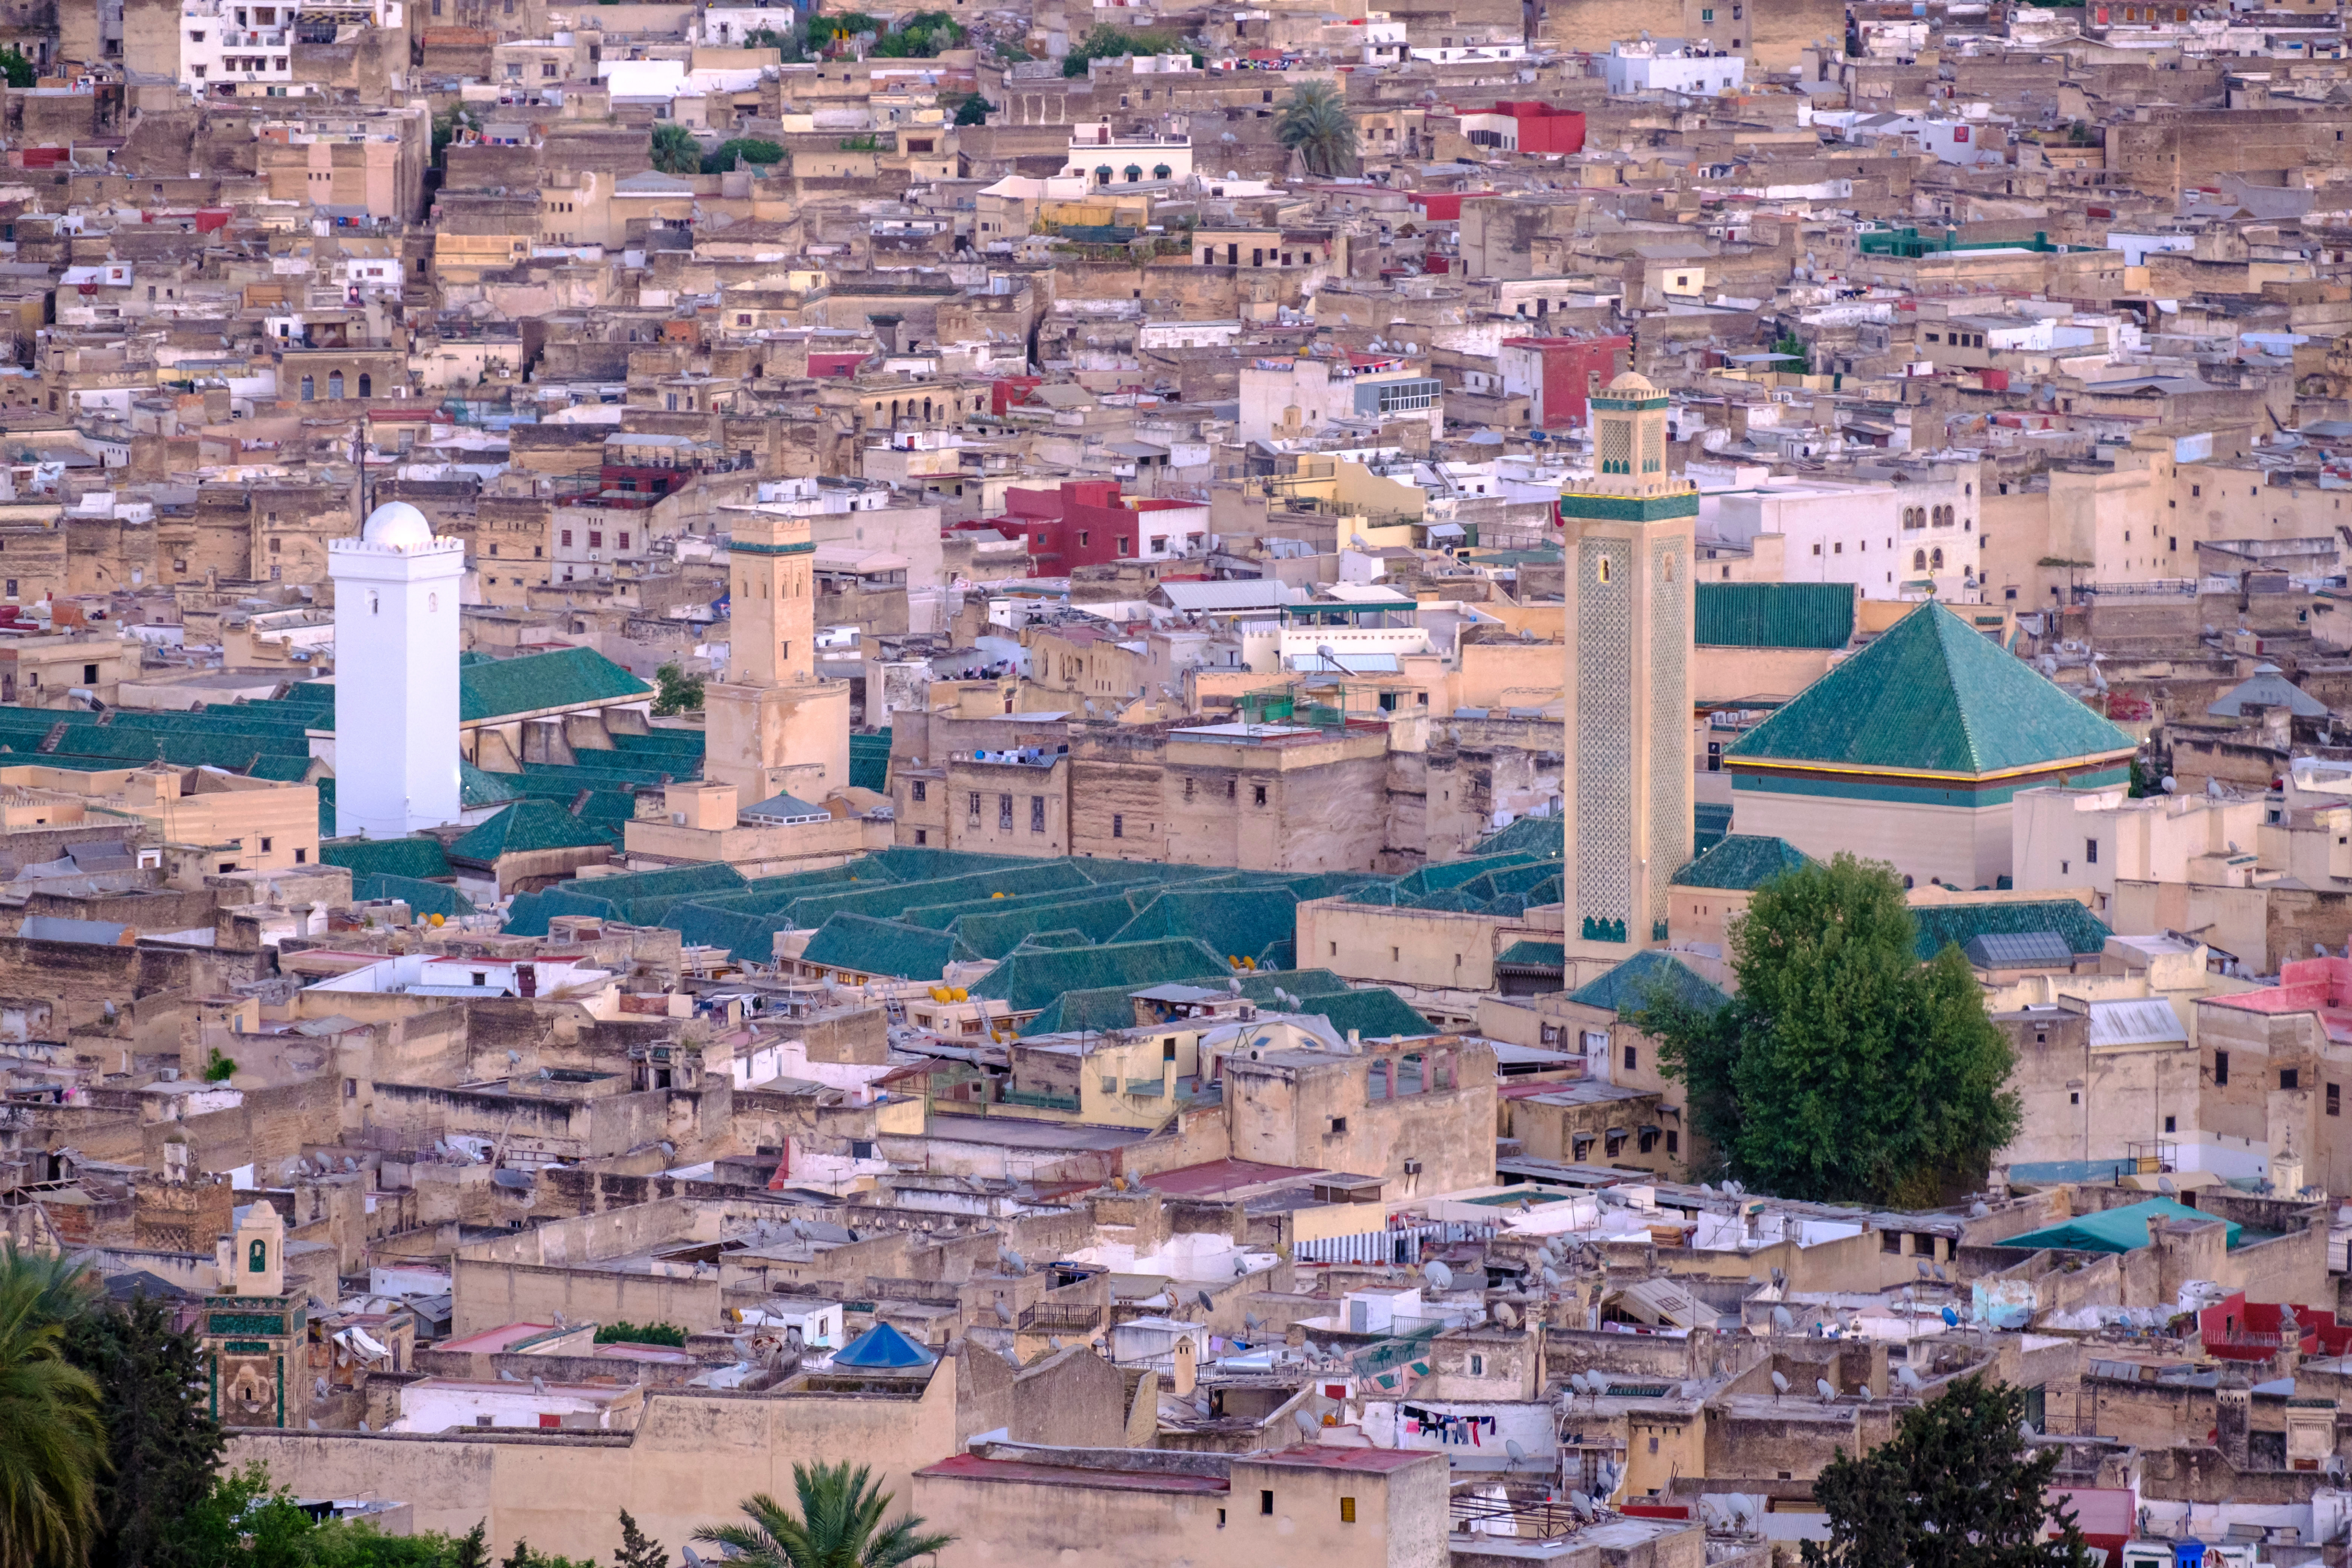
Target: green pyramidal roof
1931	695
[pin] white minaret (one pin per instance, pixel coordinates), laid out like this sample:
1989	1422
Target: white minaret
396	674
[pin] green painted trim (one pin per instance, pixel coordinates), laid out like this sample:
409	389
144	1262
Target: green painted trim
1654	400
1921	794
1630	509
748	548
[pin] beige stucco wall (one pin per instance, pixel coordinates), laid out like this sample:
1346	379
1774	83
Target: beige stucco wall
1967	846
691	1461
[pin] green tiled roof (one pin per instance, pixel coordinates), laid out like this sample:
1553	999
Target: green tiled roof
1534	955
566	678
1710	822
1029	979
1773	616
478	788
624	898
1956	925
525	826
1630	984
422	898
1374	1013
414	857
1931	695
1239	923
1528	835
872	947
1744	861
869	760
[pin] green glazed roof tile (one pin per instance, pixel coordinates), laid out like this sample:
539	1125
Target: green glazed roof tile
1931	695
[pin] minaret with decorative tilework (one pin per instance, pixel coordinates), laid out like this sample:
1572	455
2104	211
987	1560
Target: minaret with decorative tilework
1626	768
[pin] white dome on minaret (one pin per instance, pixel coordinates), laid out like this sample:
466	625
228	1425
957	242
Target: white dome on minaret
397	525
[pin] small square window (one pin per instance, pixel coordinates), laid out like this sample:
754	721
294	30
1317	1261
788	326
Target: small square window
2290	1078
1265	1503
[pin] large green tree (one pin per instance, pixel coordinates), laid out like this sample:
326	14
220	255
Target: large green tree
52	1446
1956	1487
1844	1069
1315	123
161	1441
839	1525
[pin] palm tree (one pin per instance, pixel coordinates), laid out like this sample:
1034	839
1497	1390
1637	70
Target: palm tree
839	1526
1316	125
674	150
52	1444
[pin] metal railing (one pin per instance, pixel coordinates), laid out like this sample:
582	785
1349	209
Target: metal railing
1038	1101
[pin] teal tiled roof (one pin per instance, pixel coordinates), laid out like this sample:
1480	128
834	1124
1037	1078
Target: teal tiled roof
1629	986
1957	925
869	761
414	857
1931	695
1534	955
525	826
1743	862
422	898
871	947
1773	616
570	677
1029	979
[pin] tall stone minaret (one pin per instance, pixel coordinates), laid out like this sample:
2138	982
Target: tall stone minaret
396	674
773	726
1626	773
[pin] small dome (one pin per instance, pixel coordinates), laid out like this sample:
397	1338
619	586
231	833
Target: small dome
398	523
1632	382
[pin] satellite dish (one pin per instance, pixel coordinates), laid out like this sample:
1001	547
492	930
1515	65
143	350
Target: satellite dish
1923	1267
1583	1504
1865	1392
1308	1425
2168	1187
1439	1276
2025	1430
1906	1377
1780	1383
1781	1319
1951	1319
1511	1445
1827	1390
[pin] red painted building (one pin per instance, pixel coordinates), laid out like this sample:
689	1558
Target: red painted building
1557	374
1542	126
1086	522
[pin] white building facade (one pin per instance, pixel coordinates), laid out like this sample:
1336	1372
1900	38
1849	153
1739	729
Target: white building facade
396	674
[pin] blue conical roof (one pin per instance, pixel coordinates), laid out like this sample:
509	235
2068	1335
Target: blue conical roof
882	1348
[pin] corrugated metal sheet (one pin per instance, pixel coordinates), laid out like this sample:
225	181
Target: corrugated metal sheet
2143	1021
1402	1244
1774	614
